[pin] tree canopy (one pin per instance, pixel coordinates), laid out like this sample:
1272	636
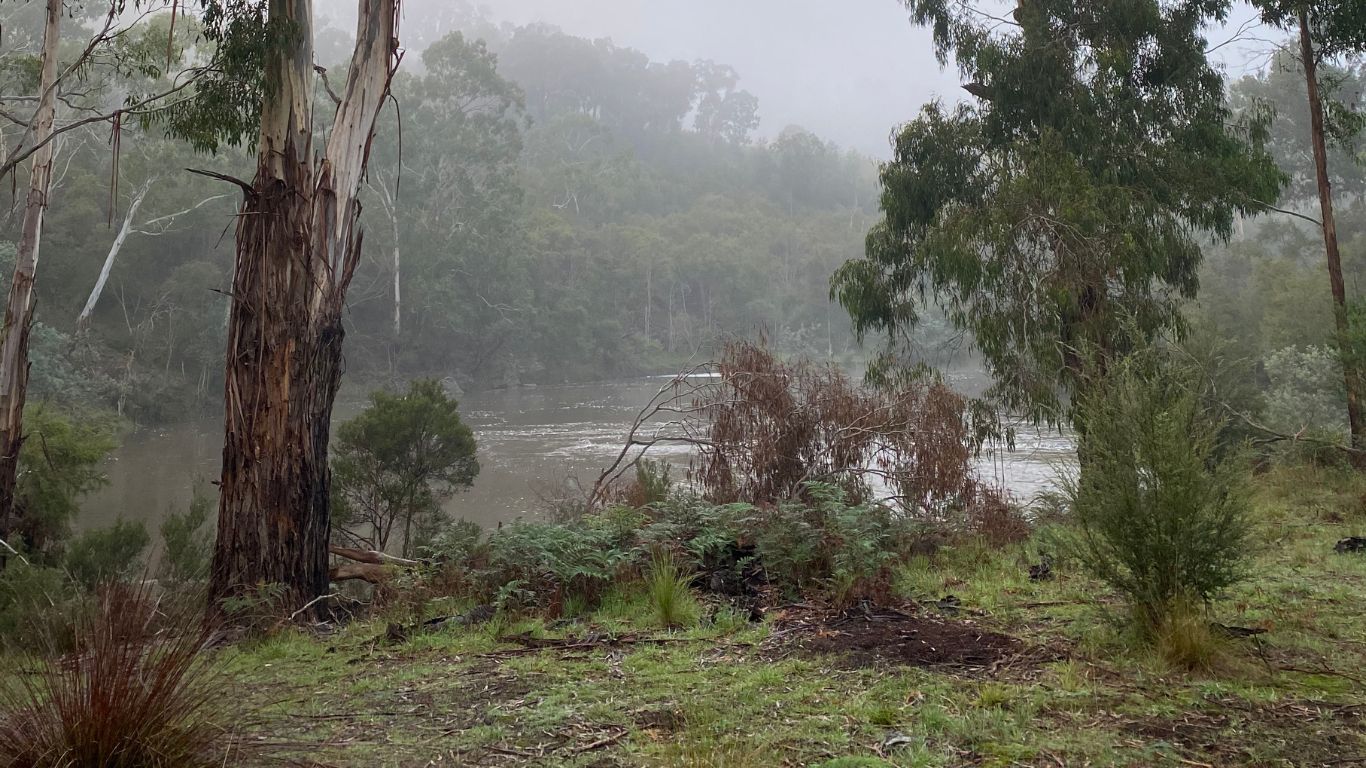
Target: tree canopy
1067	204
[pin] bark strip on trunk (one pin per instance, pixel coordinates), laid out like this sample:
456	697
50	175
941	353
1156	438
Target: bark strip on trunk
1350	371
18	322
297	248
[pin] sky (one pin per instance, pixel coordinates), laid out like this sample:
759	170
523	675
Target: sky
848	70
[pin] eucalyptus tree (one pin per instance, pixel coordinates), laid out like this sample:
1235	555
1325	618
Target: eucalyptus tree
18	322
118	49
1064	207
1328	29
297	247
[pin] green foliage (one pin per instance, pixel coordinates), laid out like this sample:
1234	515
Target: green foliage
224	104
397	461
59	462
186	544
653	481
105	555
34	605
1066	202
554	562
843	547
1307	392
668	591
1161	518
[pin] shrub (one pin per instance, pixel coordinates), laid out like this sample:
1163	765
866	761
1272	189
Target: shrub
396	463
766	428
134	695
553	562
105	555
34	605
1307	391
186	545
58	463
667	589
1161	517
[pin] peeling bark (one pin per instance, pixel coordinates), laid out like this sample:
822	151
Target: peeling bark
297	248
18	322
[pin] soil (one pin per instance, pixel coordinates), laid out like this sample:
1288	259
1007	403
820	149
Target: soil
878	637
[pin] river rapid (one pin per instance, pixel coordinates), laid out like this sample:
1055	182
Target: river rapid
531	441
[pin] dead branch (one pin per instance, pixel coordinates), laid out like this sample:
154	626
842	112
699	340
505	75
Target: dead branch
373	574
371	557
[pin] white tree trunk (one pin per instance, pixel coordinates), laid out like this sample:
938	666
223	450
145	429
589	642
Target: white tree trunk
19	309
84	319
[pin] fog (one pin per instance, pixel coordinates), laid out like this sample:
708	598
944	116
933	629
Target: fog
847	70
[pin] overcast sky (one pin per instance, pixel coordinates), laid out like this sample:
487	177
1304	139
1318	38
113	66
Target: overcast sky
849	70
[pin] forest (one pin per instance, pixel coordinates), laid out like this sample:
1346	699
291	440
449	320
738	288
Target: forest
1036	439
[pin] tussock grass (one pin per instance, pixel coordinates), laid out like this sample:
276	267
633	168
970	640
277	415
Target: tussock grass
668	591
136	693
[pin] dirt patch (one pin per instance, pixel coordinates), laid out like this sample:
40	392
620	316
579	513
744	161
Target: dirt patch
899	636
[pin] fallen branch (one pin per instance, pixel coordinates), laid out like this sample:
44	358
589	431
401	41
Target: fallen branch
14	552
600	743
311	603
371	556
368	572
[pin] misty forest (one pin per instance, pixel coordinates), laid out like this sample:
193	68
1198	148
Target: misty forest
879	383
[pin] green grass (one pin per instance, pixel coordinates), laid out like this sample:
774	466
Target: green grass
726	692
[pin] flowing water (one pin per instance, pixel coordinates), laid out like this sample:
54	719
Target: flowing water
530	442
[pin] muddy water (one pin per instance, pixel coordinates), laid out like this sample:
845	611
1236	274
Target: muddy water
529	440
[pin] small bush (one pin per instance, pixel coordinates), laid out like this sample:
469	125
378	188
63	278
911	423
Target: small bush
106	554
59	462
135	695
1161	517
396	463
186	545
552	562
35	606
667	589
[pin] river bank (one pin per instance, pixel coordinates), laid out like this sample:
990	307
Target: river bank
1022	672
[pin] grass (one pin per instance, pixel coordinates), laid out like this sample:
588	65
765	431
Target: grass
727	692
668	590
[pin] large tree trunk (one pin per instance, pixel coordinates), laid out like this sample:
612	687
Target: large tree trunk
297	248
19	309
1330	241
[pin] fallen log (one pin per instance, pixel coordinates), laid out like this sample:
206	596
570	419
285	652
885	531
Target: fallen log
371	556
369	572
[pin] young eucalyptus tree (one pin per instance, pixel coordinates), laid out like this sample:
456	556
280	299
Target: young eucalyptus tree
1326	29
1064	207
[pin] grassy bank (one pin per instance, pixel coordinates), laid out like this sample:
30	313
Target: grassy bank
1011	672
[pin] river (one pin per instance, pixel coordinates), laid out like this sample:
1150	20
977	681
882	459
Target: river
530	440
